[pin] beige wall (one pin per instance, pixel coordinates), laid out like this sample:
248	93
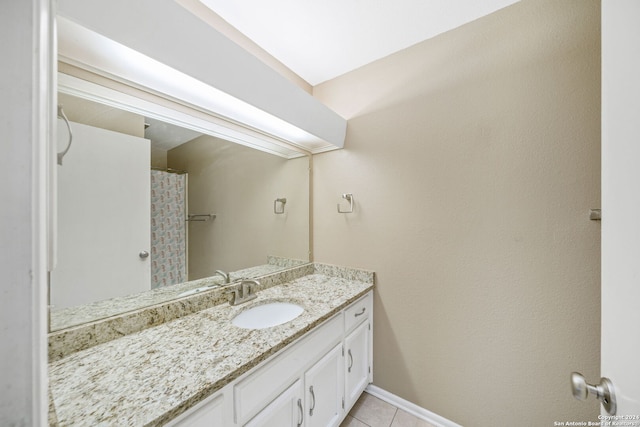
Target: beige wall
474	160
239	185
158	158
101	116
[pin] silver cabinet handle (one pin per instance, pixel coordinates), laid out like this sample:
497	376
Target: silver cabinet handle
143	254
603	392
313	401
361	313
350	361
300	412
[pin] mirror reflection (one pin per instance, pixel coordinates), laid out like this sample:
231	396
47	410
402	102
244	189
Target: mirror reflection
146	208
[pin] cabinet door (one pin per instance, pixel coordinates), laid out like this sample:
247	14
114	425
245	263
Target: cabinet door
265	383
356	363
324	390
285	410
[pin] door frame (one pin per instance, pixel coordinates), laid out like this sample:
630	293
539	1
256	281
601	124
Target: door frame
620	201
28	104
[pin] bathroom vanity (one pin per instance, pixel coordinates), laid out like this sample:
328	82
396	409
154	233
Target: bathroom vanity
313	382
201	369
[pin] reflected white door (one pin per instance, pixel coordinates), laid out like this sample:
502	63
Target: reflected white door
620	350
103	216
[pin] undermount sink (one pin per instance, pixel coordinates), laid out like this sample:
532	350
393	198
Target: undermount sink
267	315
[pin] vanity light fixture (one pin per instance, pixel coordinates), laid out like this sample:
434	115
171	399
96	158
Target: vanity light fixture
231	116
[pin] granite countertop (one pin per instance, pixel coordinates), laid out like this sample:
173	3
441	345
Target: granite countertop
77	315
149	377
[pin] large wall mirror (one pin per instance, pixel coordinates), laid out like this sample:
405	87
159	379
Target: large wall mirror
149	201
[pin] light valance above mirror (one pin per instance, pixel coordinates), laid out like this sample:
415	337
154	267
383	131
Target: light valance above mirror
162	47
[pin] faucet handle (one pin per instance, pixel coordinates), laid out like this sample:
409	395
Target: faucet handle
248	287
243	292
236	295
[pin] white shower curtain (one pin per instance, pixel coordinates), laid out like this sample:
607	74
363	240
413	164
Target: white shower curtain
168	229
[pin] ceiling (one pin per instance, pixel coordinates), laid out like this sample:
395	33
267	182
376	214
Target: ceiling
322	39
166	136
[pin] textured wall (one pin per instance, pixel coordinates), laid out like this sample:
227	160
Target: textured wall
474	158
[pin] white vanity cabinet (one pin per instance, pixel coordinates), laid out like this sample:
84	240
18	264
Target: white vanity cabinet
324	391
313	382
285	411
358	349
262	385
322	405
357	363
216	410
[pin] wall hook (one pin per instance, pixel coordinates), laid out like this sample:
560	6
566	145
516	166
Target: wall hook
63	116
282	202
349	197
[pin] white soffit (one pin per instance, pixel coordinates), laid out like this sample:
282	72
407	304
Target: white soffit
158	45
196	121
322	39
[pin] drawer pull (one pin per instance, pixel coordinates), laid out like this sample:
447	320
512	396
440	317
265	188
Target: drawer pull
361	313
350	361
313	401
300	412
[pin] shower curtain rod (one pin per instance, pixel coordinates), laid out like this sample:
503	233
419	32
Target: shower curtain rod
179	172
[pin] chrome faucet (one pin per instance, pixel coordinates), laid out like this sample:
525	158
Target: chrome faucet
244	292
226	276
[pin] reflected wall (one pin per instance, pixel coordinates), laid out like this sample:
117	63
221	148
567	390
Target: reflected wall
239	186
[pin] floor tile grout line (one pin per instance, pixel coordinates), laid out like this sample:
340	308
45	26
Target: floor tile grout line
356	418
394	416
395	413
390	424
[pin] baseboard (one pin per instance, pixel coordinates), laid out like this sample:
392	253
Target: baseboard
409	407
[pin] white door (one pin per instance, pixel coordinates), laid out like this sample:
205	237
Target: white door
285	410
103	216
324	388
357	367
620	345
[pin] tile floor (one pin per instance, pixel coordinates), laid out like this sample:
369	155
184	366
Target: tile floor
369	411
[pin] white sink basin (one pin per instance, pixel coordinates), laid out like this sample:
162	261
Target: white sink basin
267	315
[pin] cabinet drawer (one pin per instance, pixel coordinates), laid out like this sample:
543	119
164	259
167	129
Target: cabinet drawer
357	312
212	414
263	385
215	410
